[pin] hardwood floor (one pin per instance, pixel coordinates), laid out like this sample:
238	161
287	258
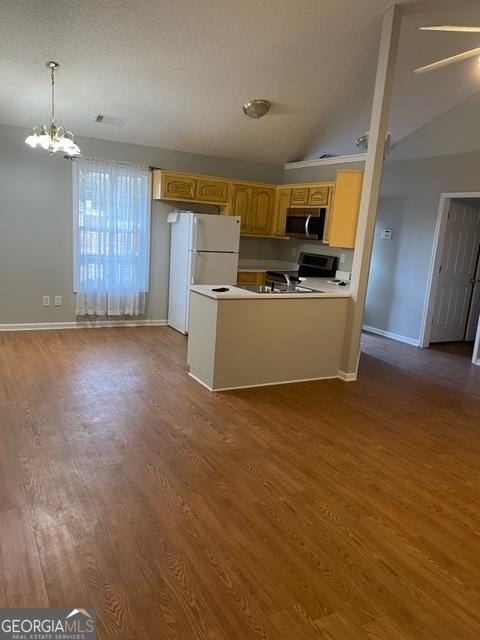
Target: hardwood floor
345	511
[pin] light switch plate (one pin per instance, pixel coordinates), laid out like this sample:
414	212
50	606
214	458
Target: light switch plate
46	301
58	301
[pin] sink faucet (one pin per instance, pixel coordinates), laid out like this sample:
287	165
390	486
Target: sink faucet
287	278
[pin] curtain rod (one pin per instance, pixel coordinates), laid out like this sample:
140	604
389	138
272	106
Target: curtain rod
119	161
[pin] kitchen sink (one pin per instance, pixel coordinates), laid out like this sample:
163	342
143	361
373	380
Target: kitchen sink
278	288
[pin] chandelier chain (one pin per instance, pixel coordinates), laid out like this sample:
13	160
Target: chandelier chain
53	95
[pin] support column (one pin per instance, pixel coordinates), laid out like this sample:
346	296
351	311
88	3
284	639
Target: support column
387	56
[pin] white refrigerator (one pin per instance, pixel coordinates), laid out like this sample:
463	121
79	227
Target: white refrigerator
203	250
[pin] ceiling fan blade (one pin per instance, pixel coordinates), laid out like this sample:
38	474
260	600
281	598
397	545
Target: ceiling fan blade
443	63
448	27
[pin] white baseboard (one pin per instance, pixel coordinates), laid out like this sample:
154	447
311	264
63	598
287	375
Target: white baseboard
265	384
82	324
197	379
347	377
393	336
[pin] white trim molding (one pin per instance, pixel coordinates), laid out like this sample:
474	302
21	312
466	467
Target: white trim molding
476	347
322	162
347	377
83	324
415	342
435	259
341	375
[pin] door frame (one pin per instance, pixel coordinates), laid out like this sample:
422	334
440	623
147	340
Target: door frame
436	256
476	346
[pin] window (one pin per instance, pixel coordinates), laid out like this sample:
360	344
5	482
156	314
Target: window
111	204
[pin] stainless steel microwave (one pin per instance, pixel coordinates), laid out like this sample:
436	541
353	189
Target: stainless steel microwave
306	223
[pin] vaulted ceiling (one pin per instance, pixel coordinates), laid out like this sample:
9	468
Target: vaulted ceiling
179	70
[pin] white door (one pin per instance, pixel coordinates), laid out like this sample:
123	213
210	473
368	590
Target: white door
457	273
215	233
214	268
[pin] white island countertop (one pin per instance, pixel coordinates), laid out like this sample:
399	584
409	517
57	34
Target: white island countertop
244	339
321	289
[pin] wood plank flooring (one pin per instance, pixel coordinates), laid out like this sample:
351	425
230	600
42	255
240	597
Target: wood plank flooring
343	511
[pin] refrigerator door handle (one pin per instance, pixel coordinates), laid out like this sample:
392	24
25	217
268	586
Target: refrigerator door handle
195	227
192	267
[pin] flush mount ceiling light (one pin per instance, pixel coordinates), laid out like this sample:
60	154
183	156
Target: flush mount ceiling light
53	138
256	108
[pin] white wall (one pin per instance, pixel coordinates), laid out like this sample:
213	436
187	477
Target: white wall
417	171
36	221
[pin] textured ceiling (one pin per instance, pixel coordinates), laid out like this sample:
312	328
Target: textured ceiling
179	70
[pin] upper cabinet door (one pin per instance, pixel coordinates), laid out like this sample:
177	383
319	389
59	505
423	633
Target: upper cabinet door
318	196
177	186
263	208
281	207
299	197
212	190
344	213
241	204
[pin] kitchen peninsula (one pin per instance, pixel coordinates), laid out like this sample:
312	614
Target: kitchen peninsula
241	338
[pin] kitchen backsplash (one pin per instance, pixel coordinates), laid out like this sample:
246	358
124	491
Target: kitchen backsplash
289	250
261	248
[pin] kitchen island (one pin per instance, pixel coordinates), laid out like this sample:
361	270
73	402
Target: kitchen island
239	338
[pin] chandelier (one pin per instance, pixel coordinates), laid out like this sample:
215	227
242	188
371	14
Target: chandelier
53	138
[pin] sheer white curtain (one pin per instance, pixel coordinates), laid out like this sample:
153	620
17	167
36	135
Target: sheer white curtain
111	204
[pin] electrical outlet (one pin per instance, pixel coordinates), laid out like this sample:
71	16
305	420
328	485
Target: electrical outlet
46	301
386	234
342	258
58	301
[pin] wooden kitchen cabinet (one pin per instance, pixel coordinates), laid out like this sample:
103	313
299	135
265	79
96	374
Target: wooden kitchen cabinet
309	196
170	185
255	206
318	196
241	204
299	197
263	210
281	207
212	191
251	277
343	214
173	186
